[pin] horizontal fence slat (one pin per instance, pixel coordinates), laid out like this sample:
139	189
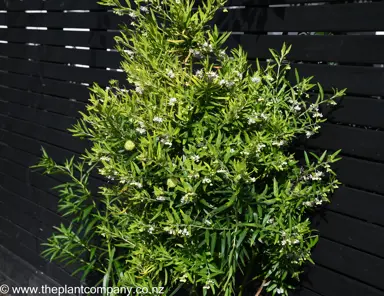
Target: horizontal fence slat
41	197
96	39
42	133
357	110
350	262
23	216
33	146
336	48
360	174
269	2
353	78
16	5
26	237
360	204
41	101
333	137
93	58
340	18
333	18
45	86
329	283
62	72
9	238
48	119
91	20
358	234
25	174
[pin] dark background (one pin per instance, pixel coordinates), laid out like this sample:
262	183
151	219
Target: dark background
42	90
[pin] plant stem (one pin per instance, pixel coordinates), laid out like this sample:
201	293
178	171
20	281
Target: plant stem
260	289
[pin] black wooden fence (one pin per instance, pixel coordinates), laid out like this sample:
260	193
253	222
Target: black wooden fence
47	59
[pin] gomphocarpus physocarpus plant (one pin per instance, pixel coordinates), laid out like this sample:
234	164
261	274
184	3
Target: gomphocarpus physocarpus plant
201	180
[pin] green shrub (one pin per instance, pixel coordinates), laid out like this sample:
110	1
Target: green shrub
203	182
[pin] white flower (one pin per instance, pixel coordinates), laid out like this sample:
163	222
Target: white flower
297	108
230	84
129	52
185	232
199	73
313	107
263	116
259	147
308	203
183	279
223	82
318	202
296	241
123	181
317	176
222	53
195	53
278	143
206	287
212	75
118	12
280	291
160	198
195	176
139	90
309	134
206	181
270	221
195	158
137	184
207	47
132	14
255	79
283	242
157	119
151	229
251	121
252	179
144	9
171	74
232	150
187	198
141	130
172	101
317	114
105	158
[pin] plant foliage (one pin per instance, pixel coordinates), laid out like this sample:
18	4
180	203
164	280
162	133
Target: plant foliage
202	180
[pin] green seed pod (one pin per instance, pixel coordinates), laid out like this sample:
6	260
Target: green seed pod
129	145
